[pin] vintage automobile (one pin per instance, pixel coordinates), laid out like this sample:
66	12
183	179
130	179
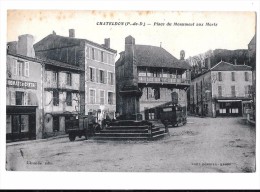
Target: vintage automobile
83	126
168	113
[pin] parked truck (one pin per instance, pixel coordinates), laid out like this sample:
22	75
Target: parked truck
83	126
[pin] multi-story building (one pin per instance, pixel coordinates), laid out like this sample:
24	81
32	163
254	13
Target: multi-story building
24	105
42	95
222	90
252	62
97	64
157	72
61	96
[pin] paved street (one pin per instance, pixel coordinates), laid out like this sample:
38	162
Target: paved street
203	145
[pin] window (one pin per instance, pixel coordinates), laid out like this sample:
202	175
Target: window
246	76
92	74
110	98
101	76
19	98
102	56
55	97
248	90
151	115
93	53
233	76
219	91
21	68
69	99
233	91
55	77
69	82
92	96
157	93
102	97
24	123
110	78
219	76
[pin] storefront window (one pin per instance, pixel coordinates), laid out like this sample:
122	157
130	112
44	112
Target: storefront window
8	124
24	123
19	97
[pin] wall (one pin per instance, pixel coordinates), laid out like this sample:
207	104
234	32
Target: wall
201	95
108	65
32	97
227	82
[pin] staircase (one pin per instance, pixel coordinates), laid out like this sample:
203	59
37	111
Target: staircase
131	132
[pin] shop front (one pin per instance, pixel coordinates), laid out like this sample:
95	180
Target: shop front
20	123
229	108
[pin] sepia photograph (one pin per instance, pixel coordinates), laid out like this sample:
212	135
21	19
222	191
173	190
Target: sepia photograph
130	91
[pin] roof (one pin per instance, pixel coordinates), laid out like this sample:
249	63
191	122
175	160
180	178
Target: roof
253	41
47	62
152	56
61	41
224	66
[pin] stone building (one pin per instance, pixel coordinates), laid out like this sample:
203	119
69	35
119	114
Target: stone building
97	68
24	105
61	96
42	94
222	90
155	72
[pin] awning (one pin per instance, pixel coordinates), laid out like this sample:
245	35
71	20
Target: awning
223	101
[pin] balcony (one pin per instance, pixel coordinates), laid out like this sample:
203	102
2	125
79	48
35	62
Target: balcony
232	96
163	80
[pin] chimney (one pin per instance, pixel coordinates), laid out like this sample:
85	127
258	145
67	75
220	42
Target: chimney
209	62
182	55
12	47
160	44
107	42
72	33
235	61
25	45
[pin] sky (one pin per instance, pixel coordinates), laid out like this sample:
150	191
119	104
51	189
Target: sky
230	30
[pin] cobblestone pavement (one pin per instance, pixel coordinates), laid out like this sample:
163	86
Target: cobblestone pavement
202	145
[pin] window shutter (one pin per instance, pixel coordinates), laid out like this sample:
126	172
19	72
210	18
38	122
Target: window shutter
113	98
88	74
29	102
105	77
223	92
15	66
236	91
96	54
87	52
246	90
26	69
25	98
97	75
12	97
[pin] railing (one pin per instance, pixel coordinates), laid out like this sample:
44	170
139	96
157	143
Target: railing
166	80
233	95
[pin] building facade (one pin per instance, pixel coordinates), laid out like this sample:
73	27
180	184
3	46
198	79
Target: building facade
97	64
155	71
24	85
223	90
252	62
61	97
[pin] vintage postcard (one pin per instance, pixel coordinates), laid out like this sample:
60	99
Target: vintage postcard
143	91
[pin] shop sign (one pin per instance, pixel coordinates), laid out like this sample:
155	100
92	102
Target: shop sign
21	84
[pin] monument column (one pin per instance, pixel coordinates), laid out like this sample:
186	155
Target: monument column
130	92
